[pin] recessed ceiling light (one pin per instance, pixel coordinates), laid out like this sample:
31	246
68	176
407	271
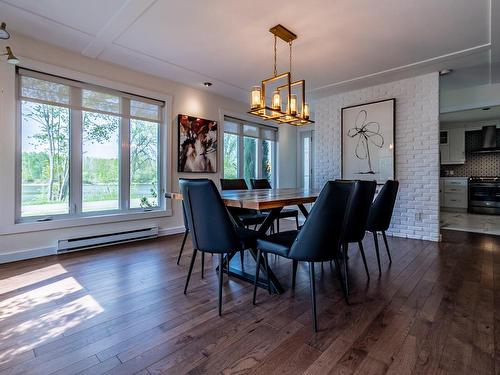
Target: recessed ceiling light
486	109
444	72
207	84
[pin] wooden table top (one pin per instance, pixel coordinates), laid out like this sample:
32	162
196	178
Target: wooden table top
262	199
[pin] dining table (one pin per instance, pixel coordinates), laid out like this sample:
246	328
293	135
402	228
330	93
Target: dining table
270	201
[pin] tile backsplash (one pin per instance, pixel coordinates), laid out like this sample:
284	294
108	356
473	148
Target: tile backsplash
483	165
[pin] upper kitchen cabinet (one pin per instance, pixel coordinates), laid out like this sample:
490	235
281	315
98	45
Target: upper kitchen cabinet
452	145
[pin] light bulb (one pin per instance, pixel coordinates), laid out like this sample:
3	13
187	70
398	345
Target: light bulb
293	105
276	100
306	111
255	97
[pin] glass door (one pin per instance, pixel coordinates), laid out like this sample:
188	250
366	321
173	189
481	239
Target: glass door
306	162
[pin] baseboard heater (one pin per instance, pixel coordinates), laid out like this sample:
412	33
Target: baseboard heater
81	243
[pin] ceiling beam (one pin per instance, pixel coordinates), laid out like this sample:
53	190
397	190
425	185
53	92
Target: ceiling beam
124	18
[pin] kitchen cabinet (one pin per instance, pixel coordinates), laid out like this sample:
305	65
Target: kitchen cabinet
453	192
452	146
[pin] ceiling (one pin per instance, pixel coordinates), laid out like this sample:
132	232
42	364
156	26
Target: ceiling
472	115
342	44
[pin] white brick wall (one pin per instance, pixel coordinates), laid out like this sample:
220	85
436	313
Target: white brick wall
417	149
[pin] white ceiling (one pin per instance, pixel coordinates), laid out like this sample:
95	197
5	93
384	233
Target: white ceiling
471	115
341	43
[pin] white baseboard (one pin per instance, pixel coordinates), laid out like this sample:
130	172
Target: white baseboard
45	251
27	254
170	231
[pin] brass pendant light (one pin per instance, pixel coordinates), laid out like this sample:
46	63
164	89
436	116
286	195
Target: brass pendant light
295	113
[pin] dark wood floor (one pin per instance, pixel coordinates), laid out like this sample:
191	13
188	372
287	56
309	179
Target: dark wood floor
121	310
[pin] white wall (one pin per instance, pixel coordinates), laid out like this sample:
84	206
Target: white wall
416	214
16	241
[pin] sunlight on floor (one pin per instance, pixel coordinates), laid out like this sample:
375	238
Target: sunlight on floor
60	305
43	295
49	325
25	279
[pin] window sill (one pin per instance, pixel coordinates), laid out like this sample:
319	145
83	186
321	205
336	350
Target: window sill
82	221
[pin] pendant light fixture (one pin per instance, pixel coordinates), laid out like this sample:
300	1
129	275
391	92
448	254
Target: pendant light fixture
296	111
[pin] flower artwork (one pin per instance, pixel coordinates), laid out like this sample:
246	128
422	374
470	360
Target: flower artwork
368	141
367	134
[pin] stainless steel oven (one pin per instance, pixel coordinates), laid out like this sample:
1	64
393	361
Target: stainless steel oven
484	195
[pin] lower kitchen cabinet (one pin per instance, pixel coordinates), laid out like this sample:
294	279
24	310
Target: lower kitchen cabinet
453	192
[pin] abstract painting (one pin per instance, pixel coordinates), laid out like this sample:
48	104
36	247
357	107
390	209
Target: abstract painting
197	145
368	141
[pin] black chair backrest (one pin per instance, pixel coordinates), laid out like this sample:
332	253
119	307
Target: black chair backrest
209	222
260	183
233	184
319	238
381	210
184	216
361	201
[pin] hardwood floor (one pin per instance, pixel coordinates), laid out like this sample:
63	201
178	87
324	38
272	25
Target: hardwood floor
121	310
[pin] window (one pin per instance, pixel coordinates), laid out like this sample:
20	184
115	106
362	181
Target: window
85	150
249	150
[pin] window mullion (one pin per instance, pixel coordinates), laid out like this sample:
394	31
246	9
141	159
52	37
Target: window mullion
240	151
259	155
76	156
125	155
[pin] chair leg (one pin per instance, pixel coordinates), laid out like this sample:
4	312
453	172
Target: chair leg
341	279
297	221
221	273
202	265
257	270
277	225
182	246
313	295
242	258
362	251
266	263
375	239
190	270
345	247
387	246
295	264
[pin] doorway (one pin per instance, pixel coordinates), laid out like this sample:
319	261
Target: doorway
306	159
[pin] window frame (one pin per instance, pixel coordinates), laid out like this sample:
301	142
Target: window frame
260	138
75	199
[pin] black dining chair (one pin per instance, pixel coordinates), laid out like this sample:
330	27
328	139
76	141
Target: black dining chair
380	215
246	216
263	183
186	232
319	239
211	227
355	227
